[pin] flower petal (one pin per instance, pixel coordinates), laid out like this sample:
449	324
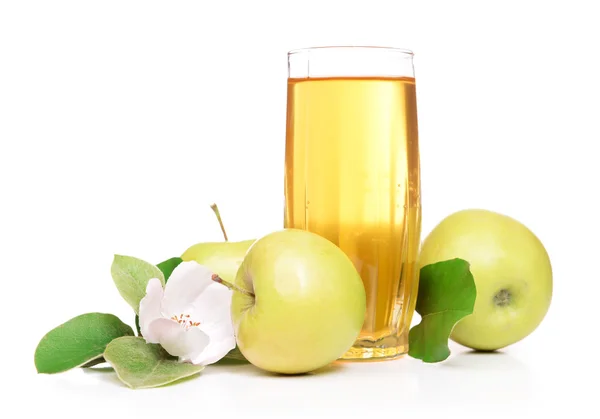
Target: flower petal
218	331
222	340
150	308
176	340
212	309
213	305
186	283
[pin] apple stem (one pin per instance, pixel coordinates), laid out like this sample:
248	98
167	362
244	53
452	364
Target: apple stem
231	286
218	214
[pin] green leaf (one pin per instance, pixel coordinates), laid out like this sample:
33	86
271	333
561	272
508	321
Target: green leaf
446	295
137	325
131	275
142	365
94	362
168	266
235	355
78	342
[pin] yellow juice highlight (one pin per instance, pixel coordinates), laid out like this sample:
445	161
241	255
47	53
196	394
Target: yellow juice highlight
352	176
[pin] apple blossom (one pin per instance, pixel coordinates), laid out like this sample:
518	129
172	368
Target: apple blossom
191	317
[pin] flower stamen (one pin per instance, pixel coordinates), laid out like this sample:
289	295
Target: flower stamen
184	321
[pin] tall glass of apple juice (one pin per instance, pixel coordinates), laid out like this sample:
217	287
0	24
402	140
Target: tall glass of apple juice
352	176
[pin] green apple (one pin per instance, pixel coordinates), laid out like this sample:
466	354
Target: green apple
223	258
512	274
304	304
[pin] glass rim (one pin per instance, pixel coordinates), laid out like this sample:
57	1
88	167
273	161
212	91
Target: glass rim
396	50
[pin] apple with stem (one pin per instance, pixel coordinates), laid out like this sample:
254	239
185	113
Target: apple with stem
511	270
300	303
222	257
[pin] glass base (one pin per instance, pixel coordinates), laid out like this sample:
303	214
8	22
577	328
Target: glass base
365	350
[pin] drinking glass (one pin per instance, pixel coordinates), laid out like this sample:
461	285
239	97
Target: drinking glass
352	175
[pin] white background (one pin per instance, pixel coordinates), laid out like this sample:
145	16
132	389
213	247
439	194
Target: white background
121	121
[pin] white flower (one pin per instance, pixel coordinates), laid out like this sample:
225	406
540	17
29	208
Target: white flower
191	317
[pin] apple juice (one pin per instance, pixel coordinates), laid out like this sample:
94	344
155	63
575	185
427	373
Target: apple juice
352	176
